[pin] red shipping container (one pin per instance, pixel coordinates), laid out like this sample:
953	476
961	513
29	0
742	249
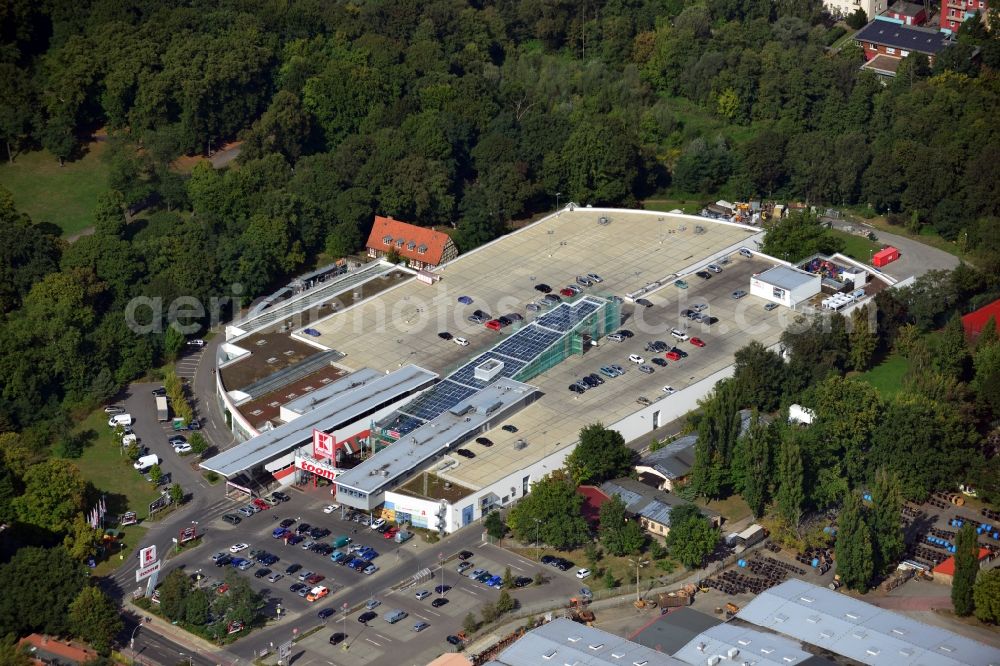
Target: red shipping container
885	256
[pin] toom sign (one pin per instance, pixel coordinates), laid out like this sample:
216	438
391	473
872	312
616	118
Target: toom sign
323	444
147	571
316	467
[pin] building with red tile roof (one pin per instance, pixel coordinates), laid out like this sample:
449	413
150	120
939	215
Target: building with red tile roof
945	572
47	650
420	246
976	321
593	498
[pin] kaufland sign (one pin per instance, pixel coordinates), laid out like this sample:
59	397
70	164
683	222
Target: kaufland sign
323	444
147	556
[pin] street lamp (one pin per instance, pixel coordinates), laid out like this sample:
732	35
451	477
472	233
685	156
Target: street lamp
131	641
190	658
558	194
639	563
537	550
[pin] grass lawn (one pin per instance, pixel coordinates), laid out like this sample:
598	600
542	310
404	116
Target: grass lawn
858	247
666	205
65	196
888	375
621	568
117	554
733	508
110	472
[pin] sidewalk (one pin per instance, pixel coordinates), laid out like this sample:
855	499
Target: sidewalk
160	626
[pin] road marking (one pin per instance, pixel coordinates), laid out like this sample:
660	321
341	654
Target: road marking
514	566
425	619
385	638
472	592
373	642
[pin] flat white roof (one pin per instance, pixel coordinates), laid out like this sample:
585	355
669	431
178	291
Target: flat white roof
352	401
744	644
787	278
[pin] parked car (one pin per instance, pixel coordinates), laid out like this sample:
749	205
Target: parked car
770	306
454	640
595	277
445	335
378	523
440	601
465	453
646	369
261	573
644	302
422	594
680	284
635	358
697	342
542	287
232	518
669	390
582	573
673	356
338	638
656	360
420	626
704	275
738	294
461	342
238	547
679	334
367	617
275	577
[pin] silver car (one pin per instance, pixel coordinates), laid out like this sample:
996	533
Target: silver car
646	369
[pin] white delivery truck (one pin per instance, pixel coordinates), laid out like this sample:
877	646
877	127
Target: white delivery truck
120	420
145	462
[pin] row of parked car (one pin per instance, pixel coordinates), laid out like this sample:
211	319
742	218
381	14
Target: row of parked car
256	505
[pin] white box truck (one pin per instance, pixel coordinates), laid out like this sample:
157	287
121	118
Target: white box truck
162	410
145	462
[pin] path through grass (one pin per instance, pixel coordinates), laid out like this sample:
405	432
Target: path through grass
65	196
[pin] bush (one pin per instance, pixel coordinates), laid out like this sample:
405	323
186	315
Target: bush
834	35
857	19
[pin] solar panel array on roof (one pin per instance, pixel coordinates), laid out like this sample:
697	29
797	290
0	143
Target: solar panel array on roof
466	374
438	400
527	343
402	423
567	315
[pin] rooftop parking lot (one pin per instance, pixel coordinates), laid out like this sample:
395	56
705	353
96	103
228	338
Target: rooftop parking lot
631	250
554	421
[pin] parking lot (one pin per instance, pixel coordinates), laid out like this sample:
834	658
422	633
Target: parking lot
376	642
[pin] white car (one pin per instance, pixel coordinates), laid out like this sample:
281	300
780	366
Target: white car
679	334
669	390
635	358
330	508
378	523
237	547
582	573
197	342
182	448
461	342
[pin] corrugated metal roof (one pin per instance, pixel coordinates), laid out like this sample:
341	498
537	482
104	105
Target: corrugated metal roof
563	641
858	630
786	278
741	644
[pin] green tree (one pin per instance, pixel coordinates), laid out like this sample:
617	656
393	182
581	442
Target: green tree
986	382
758	376
198	443
494	525
284	128
95	618
692	538
156	474
600	455
592	553
886	522
718	430
173	342
174	593
854	551
966	569
552	511
618	534
797	236
11	653
470	624
508	579
489	613
15	107
53	495
196	607
863	338
610	582
753	464
986	596
790	495
21	613
176	493
505	603
83	541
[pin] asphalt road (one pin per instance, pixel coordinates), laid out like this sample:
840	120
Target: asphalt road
915	258
148	647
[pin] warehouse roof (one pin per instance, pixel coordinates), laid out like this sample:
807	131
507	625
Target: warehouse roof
563	641
786	277
673	461
860	631
738	643
353	402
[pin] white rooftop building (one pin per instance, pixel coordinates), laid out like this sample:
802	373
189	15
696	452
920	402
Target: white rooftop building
785	285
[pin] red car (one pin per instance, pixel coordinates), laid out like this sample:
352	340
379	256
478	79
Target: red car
673	356
567	292
261	504
697	342
390	533
494	325
315	579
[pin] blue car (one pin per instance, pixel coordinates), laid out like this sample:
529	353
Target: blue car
237	562
325	613
279	533
494	581
608	372
368	555
312	331
295	539
338	556
269	560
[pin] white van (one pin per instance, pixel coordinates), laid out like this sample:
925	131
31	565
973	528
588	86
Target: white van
128	440
146	462
120	420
